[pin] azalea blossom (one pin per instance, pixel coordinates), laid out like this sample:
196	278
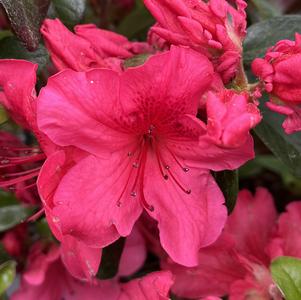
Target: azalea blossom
280	74
17	79
231	115
139	146
214	28
46	277
237	264
89	47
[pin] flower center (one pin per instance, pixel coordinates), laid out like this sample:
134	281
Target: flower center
149	142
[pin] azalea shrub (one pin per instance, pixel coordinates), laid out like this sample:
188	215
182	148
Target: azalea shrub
150	150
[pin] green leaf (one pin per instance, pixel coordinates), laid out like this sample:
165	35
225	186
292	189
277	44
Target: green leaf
7	198
43	229
7	275
228	183
265	34
10	47
286	147
26	17
260	10
137	23
13	215
286	272
70	12
4	256
110	259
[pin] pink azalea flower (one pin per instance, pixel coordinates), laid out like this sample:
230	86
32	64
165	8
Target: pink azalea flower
89	47
145	149
280	76
214	28
17	79
237	264
230	117
46	278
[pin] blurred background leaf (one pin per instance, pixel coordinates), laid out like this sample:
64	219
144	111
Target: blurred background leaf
286	147
25	17
228	183
265	34
70	12
10	47
259	10
7	275
110	259
137	23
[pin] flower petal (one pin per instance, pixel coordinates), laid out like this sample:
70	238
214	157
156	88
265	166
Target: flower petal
188	220
154	286
288	233
218	268
93	201
17	80
133	255
81	261
173	81
78	109
251	223
68	50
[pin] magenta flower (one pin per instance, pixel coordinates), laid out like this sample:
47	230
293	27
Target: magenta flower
45	277
214	28
20	166
237	264
230	117
89	47
137	145
281	79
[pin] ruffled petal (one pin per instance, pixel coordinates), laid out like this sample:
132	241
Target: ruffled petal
83	110
68	50
154	286
251	223
81	261
188	207
218	268
170	82
93	201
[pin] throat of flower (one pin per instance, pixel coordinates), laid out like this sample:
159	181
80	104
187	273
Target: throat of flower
138	159
137	170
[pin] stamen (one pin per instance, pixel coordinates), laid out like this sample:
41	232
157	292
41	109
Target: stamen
13	161
20	173
36	215
165	176
185	169
19	179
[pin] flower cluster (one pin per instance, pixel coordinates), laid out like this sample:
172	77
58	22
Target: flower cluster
131	152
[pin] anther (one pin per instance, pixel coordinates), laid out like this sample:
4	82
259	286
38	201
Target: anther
185	170
133	194
167	167
165	177
188	192
118	203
